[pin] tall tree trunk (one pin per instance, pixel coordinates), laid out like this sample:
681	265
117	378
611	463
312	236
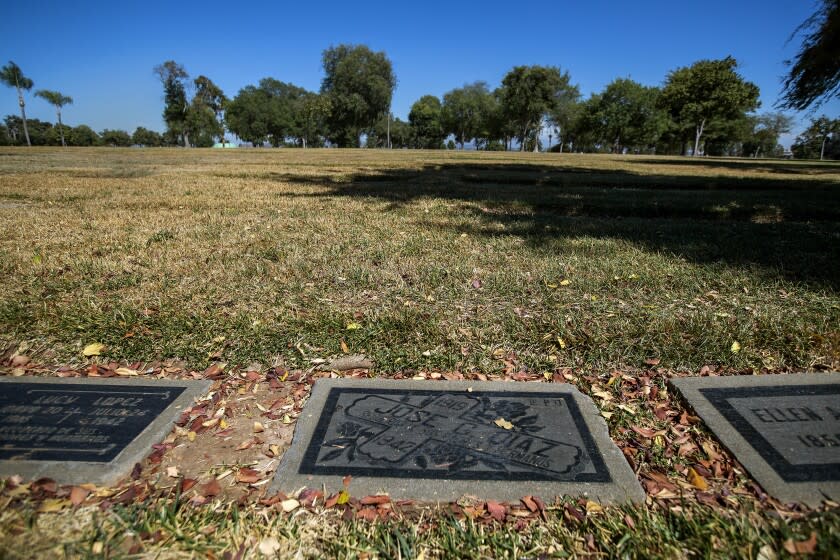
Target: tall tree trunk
23	117
186	140
822	148
61	128
697	135
537	139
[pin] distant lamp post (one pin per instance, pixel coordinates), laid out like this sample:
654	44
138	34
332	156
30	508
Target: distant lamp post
549	141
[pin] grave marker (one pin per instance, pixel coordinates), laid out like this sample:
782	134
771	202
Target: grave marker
438	441
784	429
85	430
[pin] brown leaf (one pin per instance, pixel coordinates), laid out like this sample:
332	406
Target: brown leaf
331	501
212	488
248	476
375	500
78	495
652	361
346	481
476	283
496	510
644	432
187	483
366	514
309	496
529	503
802	547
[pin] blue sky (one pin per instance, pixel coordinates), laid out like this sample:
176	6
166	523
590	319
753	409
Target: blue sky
102	53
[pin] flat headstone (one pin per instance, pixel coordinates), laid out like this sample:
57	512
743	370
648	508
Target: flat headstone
784	429
438	441
86	430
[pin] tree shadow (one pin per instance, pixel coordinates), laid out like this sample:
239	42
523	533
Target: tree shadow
787	228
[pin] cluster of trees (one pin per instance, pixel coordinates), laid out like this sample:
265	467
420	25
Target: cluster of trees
43	133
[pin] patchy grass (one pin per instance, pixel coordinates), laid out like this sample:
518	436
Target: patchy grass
442	258
608	272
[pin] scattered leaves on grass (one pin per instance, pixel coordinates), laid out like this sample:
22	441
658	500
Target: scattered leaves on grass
736	347
353	326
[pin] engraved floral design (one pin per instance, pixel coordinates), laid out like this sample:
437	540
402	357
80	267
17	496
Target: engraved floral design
350	436
512	411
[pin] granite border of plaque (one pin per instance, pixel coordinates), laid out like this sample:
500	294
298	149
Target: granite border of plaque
575	457
786	466
116	463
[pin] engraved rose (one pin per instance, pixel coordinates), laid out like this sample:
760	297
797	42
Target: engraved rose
509	409
349	430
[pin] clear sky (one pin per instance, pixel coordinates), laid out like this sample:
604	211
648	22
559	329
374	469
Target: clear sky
102	53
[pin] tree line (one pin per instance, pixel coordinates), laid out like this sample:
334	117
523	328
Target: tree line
705	108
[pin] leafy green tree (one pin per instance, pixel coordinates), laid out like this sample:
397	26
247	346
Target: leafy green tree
312	113
5	137
145	137
814	75
173	77
763	137
820	140
706	91
269	111
425	119
57	100
625	115
115	138
359	84
12	76
530	94
83	135
464	111
204	120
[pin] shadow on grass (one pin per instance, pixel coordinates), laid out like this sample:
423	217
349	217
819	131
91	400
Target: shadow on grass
789	228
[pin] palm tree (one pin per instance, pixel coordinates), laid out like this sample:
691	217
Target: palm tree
12	76
58	100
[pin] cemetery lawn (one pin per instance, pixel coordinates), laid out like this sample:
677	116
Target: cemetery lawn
610	272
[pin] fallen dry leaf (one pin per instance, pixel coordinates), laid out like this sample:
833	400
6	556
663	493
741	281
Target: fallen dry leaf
269	546
502	423
247	476
258	427
78	495
496	510
289	505
94	349
696	480
212	488
802	547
